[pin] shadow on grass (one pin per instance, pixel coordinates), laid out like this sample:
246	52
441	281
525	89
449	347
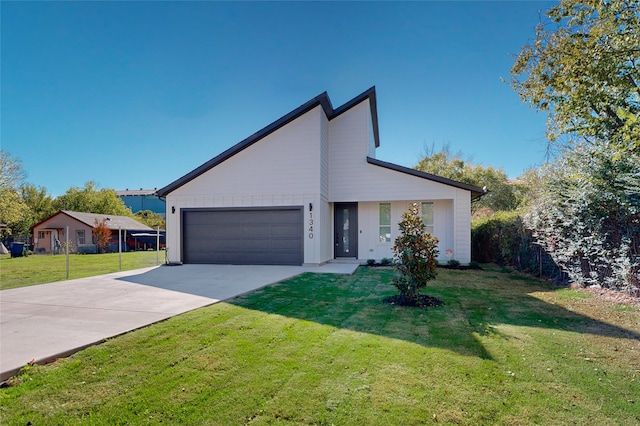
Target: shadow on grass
475	303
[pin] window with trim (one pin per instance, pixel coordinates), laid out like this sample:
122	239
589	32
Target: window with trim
385	223
80	237
40	234
427	217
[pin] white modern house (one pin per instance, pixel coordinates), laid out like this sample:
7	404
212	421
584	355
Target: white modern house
308	189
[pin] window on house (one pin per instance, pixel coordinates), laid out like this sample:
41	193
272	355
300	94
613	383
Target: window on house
385	222
427	217
80	237
40	234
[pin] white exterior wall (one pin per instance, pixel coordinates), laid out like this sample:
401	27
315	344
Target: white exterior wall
313	160
369	245
462	227
352	178
372	139
282	169
325	212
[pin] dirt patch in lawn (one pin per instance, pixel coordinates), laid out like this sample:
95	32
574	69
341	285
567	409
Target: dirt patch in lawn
608	295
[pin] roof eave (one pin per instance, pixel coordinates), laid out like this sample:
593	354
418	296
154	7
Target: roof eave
476	192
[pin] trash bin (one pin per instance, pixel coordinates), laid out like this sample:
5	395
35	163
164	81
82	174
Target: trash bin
17	249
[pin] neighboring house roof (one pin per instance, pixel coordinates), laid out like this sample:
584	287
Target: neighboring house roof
476	192
129	192
322	100
113	222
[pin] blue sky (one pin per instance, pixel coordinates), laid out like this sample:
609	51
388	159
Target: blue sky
136	94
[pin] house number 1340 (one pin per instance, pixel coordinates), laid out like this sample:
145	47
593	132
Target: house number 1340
310	223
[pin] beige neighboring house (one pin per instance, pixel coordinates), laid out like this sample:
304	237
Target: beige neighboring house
50	234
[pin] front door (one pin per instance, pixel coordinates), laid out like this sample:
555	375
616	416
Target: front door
54	241
346	230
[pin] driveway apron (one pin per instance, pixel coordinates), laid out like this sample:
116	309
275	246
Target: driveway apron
48	321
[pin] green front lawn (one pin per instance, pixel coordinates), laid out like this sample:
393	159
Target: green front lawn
40	268
324	349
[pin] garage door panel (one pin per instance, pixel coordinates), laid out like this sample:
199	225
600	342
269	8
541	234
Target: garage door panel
243	236
286	231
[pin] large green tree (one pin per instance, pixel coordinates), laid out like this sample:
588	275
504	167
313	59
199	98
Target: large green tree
11	171
583	67
12	212
39	202
92	199
12	209
445	163
587	216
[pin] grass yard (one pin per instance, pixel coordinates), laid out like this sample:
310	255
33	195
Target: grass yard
324	349
38	269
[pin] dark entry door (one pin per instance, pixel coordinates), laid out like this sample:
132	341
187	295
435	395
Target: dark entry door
346	229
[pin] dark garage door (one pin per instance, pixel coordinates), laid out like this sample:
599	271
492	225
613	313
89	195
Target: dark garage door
243	236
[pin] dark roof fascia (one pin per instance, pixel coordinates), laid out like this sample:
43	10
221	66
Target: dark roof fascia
322	100
476	192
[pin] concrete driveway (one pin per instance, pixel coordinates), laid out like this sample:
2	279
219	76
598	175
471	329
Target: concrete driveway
49	321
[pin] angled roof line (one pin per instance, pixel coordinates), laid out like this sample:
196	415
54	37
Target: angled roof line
322	100
476	192
125	222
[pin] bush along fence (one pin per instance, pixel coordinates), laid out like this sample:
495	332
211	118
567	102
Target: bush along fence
504	239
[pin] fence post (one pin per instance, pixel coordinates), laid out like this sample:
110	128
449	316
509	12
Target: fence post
120	247
66	232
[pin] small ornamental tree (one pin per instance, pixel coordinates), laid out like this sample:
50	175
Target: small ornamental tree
415	254
101	234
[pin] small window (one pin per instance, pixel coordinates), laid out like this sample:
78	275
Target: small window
427	217
385	222
80	237
40	234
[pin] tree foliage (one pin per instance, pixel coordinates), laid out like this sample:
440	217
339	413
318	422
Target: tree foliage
502	195
584	69
587	217
11	172
151	219
415	254
101	234
90	199
38	202
12	211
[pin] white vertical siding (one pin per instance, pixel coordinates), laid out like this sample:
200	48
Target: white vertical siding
369	245
325	238
324	156
348	149
443	226
462	226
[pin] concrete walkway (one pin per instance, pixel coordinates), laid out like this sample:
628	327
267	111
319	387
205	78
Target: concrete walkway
49	321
